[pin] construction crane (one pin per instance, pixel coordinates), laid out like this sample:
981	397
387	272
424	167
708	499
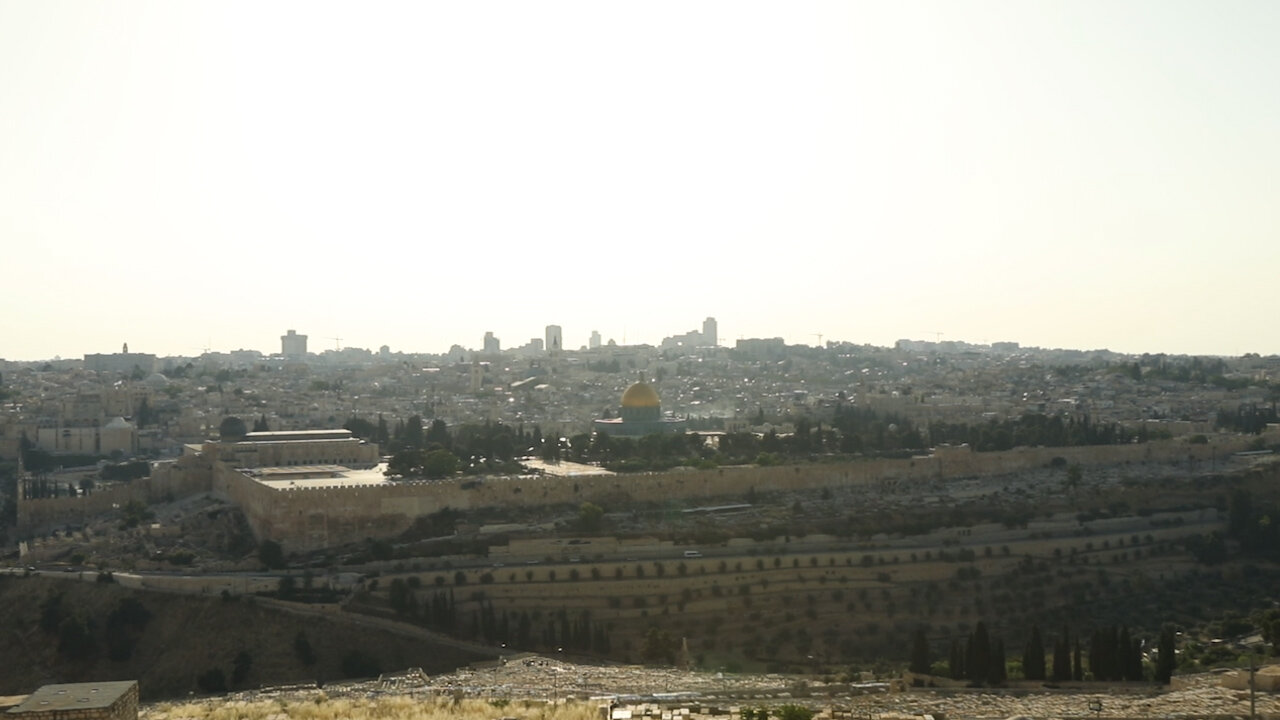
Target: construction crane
337	342
819	336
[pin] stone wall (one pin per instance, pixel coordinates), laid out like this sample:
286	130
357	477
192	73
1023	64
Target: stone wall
171	479
312	518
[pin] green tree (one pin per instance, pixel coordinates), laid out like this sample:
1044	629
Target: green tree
439	464
920	662
357	664
399	595
438	435
1166	654
302	649
412	437
271	555
659	647
124	626
1033	656
791	711
212	681
232	429
1074	476
406	462
1062	658
75	639
978	657
240	667
590	517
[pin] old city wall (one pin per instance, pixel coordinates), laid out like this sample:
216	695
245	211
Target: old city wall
167	480
306	519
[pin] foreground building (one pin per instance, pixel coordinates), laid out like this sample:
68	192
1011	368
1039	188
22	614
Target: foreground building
80	701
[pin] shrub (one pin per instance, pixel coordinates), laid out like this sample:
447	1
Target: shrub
212	681
794	712
356	664
302	649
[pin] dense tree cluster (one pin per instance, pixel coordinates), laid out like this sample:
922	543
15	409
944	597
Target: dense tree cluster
1248	418
419	450
1113	655
1254	525
1034	429
559	629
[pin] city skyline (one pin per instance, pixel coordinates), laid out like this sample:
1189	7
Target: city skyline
298	345
182	176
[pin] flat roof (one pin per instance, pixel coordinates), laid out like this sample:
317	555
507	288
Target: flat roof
74	696
295	477
285	435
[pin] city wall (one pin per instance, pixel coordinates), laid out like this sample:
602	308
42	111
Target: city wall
308	519
167	480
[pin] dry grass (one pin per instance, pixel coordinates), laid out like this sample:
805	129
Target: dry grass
399	707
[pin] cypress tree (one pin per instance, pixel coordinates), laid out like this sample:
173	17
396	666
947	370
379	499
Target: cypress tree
1033	656
1062	657
919	652
997	673
1111	653
1135	659
955	663
978	660
1077	671
1061	660
1166	660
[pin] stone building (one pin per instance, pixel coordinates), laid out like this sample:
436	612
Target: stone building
641	415
80	701
294	447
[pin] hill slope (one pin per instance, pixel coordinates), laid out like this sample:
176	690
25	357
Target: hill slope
183	637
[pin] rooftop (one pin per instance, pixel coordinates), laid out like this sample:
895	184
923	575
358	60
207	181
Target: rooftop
74	696
318	476
287	435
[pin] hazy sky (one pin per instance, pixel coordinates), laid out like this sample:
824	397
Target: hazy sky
178	175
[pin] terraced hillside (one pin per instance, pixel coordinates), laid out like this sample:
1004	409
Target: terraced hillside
817	601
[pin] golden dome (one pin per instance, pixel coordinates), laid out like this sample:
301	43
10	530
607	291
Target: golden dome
640	395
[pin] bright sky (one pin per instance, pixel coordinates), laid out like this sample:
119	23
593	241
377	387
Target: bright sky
178	175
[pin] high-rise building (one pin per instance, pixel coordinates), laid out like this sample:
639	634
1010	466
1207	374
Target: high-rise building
293	346
555	340
594	342
709	330
491	344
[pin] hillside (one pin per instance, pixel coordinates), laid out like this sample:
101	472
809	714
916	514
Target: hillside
1135	551
175	639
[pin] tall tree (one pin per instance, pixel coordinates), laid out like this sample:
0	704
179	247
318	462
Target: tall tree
920	652
1166	658
413	432
978	658
438	434
1033	656
955	662
232	429
997	672
1077	664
